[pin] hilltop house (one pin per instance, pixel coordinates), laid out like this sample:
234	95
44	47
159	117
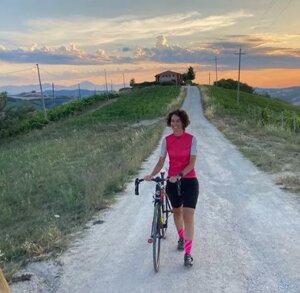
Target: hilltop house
168	76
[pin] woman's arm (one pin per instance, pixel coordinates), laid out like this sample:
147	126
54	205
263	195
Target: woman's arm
157	168
189	167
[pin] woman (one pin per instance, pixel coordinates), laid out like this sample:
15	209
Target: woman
182	151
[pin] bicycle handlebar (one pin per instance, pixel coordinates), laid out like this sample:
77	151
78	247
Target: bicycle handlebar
138	181
157	180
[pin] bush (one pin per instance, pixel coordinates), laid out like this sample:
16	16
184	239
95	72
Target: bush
233	84
23	119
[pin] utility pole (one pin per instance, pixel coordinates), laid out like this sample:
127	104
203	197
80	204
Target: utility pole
239	75
106	83
79	91
123	79
216	62
42	95
209	78
111	86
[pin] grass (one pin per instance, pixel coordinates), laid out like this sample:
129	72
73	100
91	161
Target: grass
54	180
18	120
264	110
272	148
133	106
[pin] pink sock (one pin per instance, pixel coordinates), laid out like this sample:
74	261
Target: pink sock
181	233
188	246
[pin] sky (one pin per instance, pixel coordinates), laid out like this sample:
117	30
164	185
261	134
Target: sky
75	41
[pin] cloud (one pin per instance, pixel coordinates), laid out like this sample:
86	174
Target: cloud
162	42
69	54
259	54
97	31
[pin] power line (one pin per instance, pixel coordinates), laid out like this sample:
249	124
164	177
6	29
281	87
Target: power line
52	74
12	72
275	19
269	7
284	8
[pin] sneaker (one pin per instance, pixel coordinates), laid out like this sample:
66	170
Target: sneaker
188	260
180	245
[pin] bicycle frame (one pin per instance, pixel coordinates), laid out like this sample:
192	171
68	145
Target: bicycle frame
162	208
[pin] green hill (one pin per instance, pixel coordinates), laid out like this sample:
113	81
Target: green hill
260	108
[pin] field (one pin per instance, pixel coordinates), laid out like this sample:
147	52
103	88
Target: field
270	139
53	180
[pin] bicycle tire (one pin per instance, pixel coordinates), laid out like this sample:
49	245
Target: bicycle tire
156	236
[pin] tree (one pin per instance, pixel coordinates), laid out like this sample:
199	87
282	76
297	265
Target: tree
132	82
232	84
190	75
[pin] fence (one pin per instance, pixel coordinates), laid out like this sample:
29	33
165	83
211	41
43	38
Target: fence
286	120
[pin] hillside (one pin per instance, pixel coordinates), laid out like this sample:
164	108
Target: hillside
267	131
33	99
86	85
291	94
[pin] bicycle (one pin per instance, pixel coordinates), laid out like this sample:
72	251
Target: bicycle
162	210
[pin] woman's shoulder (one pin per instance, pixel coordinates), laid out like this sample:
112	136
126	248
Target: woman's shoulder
189	135
169	135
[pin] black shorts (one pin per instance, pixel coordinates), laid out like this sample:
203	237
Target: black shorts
189	193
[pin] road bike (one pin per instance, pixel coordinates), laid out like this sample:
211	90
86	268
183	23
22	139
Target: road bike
162	210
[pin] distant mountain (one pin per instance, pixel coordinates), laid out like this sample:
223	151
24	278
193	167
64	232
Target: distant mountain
47	87
291	94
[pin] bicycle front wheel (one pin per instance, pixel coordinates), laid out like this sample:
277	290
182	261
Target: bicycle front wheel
156	235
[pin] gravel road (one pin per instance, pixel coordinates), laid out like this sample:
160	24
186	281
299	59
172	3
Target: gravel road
247	236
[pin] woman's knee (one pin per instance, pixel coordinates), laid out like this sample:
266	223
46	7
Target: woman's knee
177	211
188	214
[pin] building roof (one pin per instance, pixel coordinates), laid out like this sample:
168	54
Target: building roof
168	72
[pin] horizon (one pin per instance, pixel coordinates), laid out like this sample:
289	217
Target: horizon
74	42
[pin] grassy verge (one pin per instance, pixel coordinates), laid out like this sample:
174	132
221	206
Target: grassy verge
272	148
53	180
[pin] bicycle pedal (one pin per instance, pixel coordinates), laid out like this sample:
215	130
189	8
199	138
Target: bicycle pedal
150	240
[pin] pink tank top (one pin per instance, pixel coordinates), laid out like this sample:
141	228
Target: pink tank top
180	148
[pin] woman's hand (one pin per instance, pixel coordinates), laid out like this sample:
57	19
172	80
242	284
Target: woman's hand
173	179
148	177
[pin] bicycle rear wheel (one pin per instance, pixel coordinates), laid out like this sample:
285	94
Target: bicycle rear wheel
156	236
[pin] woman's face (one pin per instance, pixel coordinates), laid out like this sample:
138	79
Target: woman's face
176	123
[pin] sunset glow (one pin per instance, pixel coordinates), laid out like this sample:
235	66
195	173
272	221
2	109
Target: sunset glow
75	43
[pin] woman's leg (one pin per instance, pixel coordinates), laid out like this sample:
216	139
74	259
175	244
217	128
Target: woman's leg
188	219
178	218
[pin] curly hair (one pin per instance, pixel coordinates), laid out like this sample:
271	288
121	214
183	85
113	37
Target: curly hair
183	116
